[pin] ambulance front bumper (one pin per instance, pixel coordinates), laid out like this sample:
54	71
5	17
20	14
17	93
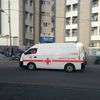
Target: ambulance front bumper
21	64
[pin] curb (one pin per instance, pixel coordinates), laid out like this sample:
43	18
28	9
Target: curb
9	61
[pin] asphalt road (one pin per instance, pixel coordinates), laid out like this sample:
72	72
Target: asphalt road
18	84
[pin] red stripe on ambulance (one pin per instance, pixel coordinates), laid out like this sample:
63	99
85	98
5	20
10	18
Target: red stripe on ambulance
67	60
32	60
47	61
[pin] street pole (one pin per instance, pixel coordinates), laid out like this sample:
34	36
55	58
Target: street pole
9	22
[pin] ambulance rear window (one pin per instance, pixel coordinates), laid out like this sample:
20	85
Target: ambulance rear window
31	51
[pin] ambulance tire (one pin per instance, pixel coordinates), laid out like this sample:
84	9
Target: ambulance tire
69	67
31	66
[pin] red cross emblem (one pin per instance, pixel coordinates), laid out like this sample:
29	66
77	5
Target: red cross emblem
30	56
47	61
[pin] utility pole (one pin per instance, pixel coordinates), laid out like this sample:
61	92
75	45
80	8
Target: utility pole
9	22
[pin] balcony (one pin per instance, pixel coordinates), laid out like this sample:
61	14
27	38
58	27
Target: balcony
28	22
29	36
70	39
95	37
28	8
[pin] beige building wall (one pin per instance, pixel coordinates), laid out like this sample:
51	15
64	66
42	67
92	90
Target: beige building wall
37	21
21	22
84	21
26	34
47	18
47	21
60	17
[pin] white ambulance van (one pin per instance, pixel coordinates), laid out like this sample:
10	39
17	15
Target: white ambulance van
67	56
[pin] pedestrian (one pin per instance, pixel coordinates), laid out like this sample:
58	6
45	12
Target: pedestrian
12	52
7	52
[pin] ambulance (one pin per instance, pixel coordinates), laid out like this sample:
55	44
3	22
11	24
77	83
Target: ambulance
67	56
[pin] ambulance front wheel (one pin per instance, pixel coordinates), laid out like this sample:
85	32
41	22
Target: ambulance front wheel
31	66
69	67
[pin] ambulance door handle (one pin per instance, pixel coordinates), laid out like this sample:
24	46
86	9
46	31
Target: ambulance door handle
35	56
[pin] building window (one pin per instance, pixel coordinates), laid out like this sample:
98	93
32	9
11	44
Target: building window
68	21
68	8
95	44
26	15
26	1
52	18
42	2
26	29
31	3
75	7
47	14
74	20
31	17
68	32
52	29
74	32
53	8
95	17
44	34
45	24
45	2
42	13
94	30
95	3
15	41
31	30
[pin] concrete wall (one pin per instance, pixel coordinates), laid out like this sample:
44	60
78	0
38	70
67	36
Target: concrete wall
37	20
21	23
60	18
84	21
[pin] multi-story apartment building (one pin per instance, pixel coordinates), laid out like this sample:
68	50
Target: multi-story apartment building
83	22
34	21
71	20
77	26
95	23
21	13
47	21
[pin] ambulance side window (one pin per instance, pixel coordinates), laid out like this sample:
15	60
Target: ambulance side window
31	51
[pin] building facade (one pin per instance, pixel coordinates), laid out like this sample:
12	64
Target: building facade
60	21
77	20
47	21
71	24
95	23
21	13
82	22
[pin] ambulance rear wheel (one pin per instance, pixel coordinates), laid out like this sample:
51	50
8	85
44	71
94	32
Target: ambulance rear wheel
69	67
31	66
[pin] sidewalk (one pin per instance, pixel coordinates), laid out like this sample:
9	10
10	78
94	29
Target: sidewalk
4	59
